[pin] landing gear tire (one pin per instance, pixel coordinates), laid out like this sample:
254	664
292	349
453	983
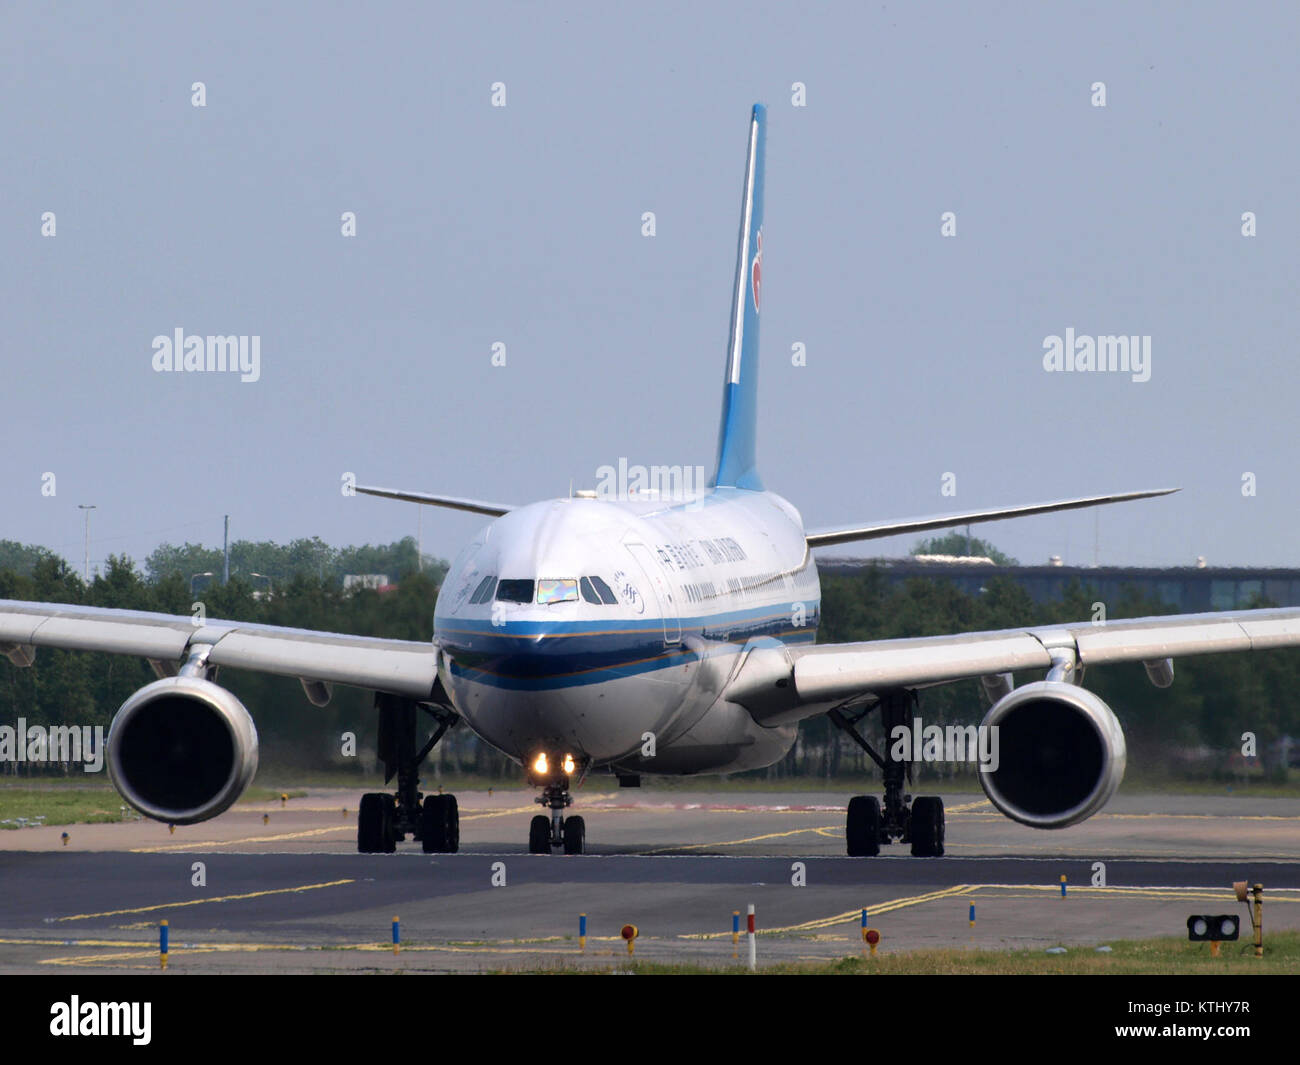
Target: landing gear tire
440	825
862	831
927	827
539	835
575	835
375	834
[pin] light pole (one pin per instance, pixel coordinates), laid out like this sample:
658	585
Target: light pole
85	570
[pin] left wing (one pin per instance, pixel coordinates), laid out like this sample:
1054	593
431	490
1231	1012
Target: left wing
474	506
402	667
183	748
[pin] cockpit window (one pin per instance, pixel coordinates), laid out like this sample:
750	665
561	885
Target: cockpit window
557	591
514	591
595	590
484	590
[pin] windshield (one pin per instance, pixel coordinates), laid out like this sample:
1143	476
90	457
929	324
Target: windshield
557	591
514	591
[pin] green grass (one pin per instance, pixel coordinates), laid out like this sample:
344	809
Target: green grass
60	804
66	801
1136	782
74	803
1154	957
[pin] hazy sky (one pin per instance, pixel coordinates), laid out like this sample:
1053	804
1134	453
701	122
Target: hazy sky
522	225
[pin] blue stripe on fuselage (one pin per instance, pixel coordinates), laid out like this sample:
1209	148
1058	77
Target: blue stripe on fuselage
556	654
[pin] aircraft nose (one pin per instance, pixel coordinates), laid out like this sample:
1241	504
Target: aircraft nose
545	653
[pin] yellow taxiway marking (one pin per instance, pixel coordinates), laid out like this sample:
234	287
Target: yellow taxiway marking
968	807
736	842
246	839
480	815
973	891
304	834
150	954
202	902
848	915
128	950
1200	817
1169	893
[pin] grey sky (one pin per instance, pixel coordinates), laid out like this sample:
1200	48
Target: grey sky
523	225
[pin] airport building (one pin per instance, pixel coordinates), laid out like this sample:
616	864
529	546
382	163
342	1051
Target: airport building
1188	589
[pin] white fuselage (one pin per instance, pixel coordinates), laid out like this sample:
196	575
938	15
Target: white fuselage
627	667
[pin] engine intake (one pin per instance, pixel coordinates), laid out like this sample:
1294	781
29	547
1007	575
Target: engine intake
182	750
1061	755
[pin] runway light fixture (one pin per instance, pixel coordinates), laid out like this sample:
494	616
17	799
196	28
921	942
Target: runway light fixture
1223	927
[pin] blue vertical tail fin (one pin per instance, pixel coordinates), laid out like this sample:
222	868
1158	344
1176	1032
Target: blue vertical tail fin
737	465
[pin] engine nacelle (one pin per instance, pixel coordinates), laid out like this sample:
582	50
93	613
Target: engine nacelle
182	750
1061	755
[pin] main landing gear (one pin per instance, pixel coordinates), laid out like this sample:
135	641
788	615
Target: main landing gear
384	820
544	832
916	821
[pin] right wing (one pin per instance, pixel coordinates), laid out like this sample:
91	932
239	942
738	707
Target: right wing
845	534
784	683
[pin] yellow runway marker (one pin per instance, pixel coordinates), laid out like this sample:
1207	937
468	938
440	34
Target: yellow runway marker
203	902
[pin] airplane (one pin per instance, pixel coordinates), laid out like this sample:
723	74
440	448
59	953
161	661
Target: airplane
641	632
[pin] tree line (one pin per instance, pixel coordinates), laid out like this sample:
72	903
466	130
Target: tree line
1200	721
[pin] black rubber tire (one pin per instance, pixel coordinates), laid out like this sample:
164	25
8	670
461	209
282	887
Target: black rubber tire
370	825
927	827
439	825
453	824
862	829
539	835
375	824
390	824
575	835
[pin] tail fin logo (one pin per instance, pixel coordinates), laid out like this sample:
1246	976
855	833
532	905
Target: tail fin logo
756	268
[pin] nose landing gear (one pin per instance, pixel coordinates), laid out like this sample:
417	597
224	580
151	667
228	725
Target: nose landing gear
545	833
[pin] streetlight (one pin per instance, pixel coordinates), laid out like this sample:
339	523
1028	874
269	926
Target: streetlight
85	571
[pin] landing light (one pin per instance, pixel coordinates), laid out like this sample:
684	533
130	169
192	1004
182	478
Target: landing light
568	764
541	765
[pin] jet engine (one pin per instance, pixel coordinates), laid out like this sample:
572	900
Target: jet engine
1061	754
182	750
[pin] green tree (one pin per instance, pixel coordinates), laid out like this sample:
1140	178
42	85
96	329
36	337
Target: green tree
957	543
